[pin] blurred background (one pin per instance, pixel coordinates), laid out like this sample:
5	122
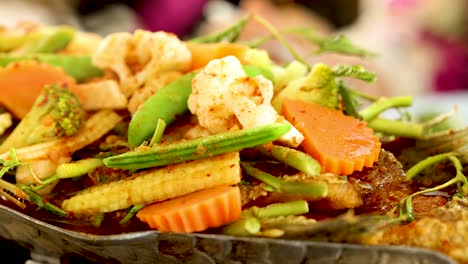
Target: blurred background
422	45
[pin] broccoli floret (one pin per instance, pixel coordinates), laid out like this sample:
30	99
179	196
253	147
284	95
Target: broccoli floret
319	87
56	113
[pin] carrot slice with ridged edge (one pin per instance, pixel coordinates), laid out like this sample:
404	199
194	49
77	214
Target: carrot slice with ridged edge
342	144
21	82
196	211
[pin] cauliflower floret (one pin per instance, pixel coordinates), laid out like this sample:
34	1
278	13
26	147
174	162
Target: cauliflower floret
139	57
223	96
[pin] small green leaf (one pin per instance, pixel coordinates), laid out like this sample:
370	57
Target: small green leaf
341	44
355	71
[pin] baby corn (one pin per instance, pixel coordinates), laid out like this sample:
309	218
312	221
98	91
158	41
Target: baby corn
157	185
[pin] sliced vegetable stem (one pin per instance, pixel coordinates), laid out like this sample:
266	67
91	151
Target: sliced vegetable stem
69	170
426	163
282	209
97	220
131	213
309	189
78	168
397	128
439	119
38	200
363	95
372	111
291	157
245	226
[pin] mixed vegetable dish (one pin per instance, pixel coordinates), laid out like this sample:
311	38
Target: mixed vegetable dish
143	130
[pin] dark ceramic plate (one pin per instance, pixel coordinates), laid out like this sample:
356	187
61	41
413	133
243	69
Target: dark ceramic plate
43	239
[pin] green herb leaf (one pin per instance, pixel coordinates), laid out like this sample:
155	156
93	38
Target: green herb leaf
355	71
7	165
340	44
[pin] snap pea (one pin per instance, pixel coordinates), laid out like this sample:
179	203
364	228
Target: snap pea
49	40
253	71
204	147
9	42
79	67
167	104
45	40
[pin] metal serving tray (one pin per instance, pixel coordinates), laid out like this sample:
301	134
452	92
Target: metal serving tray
153	247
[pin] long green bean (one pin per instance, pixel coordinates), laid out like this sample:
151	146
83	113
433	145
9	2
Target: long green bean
230	141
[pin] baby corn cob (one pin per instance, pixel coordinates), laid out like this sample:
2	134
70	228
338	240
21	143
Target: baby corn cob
157	185
95	127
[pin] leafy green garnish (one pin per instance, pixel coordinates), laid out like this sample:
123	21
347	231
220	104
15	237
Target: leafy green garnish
355	71
340	44
7	165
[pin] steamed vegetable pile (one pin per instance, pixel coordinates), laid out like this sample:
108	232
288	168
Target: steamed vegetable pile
179	133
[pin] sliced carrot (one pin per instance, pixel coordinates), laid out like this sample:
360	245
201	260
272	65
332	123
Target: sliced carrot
342	144
21	82
194	212
202	53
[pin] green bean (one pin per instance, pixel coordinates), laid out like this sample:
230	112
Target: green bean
230	141
167	104
309	189
230	34
291	157
79	67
